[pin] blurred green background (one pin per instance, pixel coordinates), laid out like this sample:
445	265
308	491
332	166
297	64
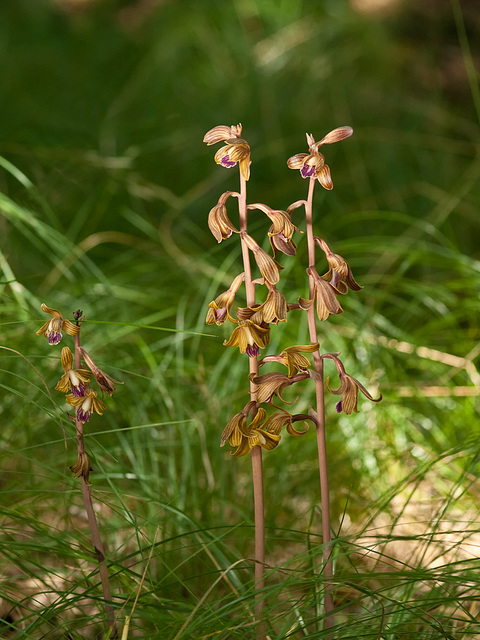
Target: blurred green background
105	189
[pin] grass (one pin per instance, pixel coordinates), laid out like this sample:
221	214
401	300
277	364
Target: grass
105	188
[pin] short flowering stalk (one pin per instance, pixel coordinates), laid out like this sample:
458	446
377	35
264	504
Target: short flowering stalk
81	469
75	383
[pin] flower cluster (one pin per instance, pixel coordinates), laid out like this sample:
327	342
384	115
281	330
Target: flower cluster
260	431
252	426
75	381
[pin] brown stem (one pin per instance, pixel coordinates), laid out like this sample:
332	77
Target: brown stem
92	520
320	426
256	453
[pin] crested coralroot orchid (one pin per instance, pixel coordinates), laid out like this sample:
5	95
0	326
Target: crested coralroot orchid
324	296
339	274
219	309
269	268
273	383
247	436
293	358
261	431
249	337
236	149
274	309
86	404
81	467
106	383
54	327
312	165
73	380
349	388
218	221
282	229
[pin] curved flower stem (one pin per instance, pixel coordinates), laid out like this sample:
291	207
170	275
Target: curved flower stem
92	520
256	453
320	420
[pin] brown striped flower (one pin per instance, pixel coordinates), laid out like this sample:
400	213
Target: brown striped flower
106	383
73	380
269	268
274	309
218	221
81	467
293	358
273	383
281	231
86	404
235	151
312	164
219	309
54	327
325	297
245	436
249	337
349	388
339	274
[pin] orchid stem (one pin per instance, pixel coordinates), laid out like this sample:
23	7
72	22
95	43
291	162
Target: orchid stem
92	520
256	453
320	422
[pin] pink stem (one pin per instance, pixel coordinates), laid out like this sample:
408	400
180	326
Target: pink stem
320	428
256	453
92	519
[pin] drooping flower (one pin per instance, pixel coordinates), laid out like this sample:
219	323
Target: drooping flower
339	274
218	221
293	358
281	231
219	309
249	337
325	296
247	436
106	383
236	149
73	380
81	466
349	388
86	404
312	164
273	383
54	327
269	268
274	309
280	419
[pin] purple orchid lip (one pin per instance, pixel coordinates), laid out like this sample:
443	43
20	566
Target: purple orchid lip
307	171
54	337
220	314
252	350
78	391
227	163
338	407
83	416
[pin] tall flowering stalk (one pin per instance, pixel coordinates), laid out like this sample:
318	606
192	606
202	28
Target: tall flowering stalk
75	383
251	333
255	428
